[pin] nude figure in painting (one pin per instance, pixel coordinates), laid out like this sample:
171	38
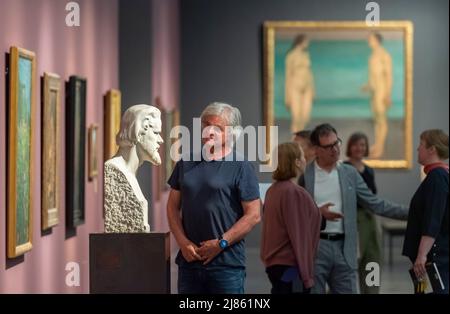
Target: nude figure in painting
299	88
380	87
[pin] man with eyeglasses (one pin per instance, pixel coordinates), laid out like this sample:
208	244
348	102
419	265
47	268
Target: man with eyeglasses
339	187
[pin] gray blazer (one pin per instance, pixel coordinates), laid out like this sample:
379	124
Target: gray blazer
354	190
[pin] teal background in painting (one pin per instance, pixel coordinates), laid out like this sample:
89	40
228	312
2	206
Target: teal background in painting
340	69
23	150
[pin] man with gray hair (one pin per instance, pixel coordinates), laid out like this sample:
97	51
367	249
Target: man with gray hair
213	203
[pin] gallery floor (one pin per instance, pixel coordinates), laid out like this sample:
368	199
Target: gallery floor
394	279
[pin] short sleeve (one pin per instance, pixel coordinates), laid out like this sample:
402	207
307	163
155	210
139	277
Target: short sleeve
247	183
174	180
435	204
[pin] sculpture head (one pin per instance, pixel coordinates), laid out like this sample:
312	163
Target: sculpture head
141	127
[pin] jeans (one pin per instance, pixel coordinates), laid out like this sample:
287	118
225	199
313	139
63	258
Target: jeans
215	280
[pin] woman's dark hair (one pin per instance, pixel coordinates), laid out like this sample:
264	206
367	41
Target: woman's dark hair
355	137
319	131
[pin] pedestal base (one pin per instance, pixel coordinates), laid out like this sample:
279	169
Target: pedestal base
129	262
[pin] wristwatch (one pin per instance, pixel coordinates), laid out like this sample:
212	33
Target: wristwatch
223	243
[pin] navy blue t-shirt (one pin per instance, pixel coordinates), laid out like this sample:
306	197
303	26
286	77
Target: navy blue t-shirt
211	196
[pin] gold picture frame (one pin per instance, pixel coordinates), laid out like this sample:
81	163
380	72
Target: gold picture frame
276	38
112	116
22	82
51	102
93	151
171	120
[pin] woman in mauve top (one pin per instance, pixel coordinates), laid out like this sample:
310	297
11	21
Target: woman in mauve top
291	226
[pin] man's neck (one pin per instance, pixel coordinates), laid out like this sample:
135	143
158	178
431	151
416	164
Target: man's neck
224	151
326	167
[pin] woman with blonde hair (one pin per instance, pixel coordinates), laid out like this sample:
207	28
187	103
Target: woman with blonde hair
426	237
291	226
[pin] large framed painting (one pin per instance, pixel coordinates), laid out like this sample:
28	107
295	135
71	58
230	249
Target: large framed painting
75	150
356	77
22	70
93	151
112	115
50	149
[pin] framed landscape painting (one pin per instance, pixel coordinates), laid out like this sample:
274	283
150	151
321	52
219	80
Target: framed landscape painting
354	76
51	96
22	70
75	150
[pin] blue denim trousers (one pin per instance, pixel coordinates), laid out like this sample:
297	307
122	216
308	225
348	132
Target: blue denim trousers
211	280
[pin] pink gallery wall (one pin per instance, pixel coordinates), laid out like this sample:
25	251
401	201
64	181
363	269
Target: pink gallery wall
165	85
90	50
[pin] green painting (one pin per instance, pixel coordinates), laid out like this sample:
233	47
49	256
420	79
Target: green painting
340	68
348	74
23	150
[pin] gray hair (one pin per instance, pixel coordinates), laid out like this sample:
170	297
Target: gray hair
131	124
231	114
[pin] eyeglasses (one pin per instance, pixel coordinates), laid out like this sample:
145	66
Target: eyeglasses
338	143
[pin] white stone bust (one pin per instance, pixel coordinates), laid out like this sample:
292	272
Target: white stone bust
126	209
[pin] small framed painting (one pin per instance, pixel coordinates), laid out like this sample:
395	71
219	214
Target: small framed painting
50	149
92	151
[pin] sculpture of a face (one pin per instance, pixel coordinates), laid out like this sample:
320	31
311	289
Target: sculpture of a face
149	139
141	127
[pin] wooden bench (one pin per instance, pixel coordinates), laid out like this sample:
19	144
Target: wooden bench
392	228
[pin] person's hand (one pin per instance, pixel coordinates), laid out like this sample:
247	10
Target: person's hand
208	250
329	215
189	251
419	267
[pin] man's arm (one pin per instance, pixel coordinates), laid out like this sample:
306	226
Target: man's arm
188	249
210	249
252	216
377	205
